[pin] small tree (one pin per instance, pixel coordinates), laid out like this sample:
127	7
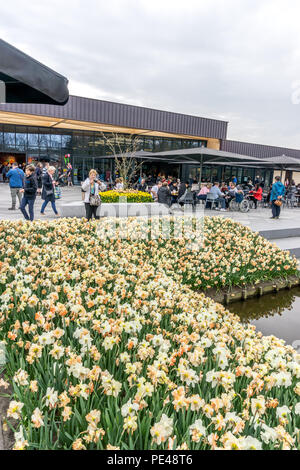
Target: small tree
124	153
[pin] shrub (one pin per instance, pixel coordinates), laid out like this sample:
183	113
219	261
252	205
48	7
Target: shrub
132	196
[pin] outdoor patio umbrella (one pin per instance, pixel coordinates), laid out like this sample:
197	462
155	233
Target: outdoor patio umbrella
201	155
25	80
281	162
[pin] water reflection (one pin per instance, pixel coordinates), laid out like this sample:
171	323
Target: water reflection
273	314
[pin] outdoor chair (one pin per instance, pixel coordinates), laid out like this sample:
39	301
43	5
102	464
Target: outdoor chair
210	200
190	199
291	200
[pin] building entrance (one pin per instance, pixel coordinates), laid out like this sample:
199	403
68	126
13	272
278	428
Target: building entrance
9	158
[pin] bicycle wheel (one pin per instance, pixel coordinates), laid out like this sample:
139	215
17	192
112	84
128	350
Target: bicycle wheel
245	206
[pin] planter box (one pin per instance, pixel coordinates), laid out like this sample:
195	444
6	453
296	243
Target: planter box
226	297
77	209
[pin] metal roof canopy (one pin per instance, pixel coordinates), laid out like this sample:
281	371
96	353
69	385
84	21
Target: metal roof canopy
282	162
202	155
25	80
206	155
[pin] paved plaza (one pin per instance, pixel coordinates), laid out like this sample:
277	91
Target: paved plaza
285	231
257	220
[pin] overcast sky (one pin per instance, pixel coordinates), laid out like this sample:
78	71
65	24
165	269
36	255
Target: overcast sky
235	60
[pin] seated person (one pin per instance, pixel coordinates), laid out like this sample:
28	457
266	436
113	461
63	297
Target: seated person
224	188
154	191
205	188
217	196
249	184
293	187
233	193
256	195
142	186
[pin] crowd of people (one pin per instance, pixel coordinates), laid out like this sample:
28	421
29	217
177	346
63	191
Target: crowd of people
168	191
28	182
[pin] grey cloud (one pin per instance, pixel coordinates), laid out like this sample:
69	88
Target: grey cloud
232	60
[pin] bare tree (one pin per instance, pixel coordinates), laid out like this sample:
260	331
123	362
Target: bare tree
124	151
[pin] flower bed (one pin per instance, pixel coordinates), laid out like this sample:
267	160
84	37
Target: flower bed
130	195
203	253
106	348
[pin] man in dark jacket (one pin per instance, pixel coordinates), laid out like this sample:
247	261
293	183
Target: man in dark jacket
164	194
181	191
38	176
29	193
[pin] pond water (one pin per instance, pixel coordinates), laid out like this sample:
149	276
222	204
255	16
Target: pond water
273	314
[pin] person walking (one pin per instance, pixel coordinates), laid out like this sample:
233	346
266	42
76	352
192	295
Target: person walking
278	191
70	174
38	176
5	171
16	182
48	190
29	193
91	190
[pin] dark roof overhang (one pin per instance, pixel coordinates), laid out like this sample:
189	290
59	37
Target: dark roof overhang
25	80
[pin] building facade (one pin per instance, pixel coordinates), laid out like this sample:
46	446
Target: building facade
84	127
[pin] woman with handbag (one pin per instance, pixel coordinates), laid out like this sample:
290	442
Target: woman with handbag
278	191
92	197
48	194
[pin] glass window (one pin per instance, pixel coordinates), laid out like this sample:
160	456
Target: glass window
66	141
167	144
99	144
44	138
148	145
54	156
21	138
9	138
33	137
90	144
227	174
157	145
56	140
79	144
186	144
1	137
138	142
177	144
